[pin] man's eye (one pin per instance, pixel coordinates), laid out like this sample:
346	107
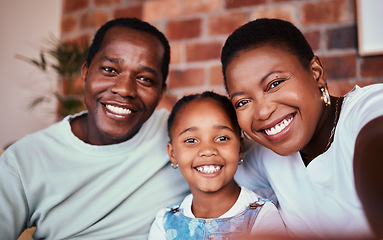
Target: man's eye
190	140
222	138
145	81
241	103
110	70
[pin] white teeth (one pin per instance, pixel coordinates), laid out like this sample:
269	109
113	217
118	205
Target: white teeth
208	169
279	127
118	110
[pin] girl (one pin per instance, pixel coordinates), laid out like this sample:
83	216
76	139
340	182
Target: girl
205	144
321	154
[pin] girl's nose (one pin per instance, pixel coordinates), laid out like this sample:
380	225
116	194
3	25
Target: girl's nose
208	150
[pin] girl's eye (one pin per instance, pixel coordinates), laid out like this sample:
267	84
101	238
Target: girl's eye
222	138
190	140
241	103
110	70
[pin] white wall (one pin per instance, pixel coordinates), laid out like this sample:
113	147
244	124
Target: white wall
24	26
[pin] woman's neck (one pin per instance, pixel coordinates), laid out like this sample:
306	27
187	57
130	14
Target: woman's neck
215	204
324	133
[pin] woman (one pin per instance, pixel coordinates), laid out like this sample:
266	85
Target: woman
320	154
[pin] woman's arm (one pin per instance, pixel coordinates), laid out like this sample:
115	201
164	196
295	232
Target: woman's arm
368	171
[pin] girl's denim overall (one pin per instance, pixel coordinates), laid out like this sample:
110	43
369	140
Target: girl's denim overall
178	226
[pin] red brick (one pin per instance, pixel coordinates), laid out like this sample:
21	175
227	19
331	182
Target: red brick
340	88
132	11
226	23
284	12
313	38
160	10
68	24
372	66
342	38
278	1
215	75
167	101
243	3
186	78
203	51
93	19
74	5
99	3
325	12
176	53
184	29
201	6
342	67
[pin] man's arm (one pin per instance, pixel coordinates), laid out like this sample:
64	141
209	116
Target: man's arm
368	171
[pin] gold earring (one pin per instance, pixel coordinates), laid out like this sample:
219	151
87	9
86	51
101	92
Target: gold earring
240	161
325	96
174	166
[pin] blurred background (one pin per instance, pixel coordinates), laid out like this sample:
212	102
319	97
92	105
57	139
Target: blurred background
196	30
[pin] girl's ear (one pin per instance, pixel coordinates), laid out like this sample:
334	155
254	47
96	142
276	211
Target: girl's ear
240	147
318	71
171	153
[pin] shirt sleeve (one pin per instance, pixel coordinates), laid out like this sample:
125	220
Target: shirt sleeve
269	222
251	173
13	202
157	231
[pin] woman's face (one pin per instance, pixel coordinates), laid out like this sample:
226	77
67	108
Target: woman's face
277	100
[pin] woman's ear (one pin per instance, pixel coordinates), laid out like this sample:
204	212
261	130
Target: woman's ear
318	72
171	153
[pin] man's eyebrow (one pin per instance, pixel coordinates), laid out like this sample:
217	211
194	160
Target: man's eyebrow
111	59
149	69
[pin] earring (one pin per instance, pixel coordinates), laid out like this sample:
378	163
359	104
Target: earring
325	96
240	161
174	166
246	136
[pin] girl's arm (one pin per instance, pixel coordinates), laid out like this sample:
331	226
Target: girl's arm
368	171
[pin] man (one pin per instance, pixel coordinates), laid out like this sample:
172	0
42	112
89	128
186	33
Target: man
102	173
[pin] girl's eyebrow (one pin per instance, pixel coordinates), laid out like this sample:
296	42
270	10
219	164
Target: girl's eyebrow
222	127
187	130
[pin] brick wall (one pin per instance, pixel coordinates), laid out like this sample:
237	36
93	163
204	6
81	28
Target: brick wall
197	30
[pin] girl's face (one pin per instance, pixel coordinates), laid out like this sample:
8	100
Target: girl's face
277	100
205	145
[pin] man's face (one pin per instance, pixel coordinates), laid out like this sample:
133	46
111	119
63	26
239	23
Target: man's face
123	85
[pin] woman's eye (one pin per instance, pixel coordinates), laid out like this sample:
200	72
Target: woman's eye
276	82
241	103
110	70
222	138
190	140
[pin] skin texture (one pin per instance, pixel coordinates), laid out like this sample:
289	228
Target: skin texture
368	169
203	134
268	85
125	73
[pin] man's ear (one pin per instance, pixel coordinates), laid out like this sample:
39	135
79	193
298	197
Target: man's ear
84	72
318	71
171	153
